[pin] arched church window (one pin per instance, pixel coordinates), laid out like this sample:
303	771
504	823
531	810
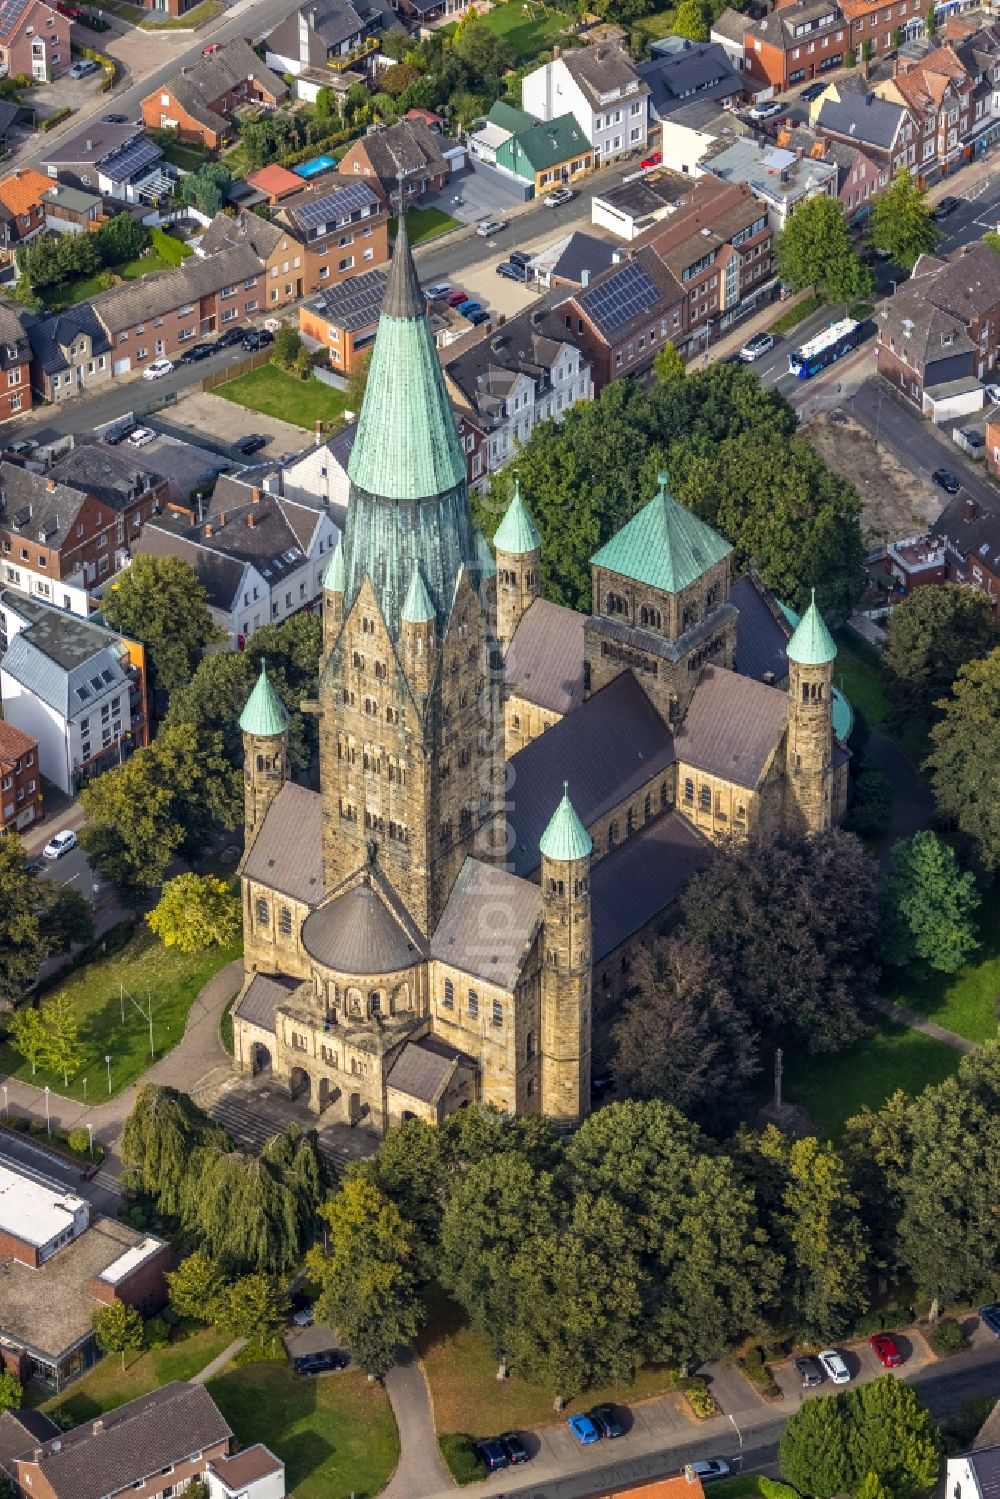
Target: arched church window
260	762
689	790
706	798
473	1005
805	692
449	994
263	911
377	1002
285	922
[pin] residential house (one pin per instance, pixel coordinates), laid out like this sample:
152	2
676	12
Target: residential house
21	213
631	208
979	55
118	161
319	476
76	687
884	130
859	175
801	41
780	179
878	29
625	316
938	94
681	70
974	1476
71	210
694	129
343	319
500	124
15	365
65	533
730	30
200	101
342	226
70	352
993	446
942	326
20	781
261	559
34	40
523	372
275	183
601	87
718	248
423	12
280	252
409	147
573	260
969	536
329	35
553	153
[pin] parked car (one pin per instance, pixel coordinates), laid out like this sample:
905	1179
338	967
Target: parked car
515	1449
23	447
486	227
251	444
708	1467
767	111
114	119
157	369
834	1367
231	336
583	1429
470	305
71	12
118	431
196	353
83	68
761	343
886	1350
652	160
141	436
491	1454
812	92
560	196
945	207
304	1316
993	394
321	1363
946	479
607	1423
211	47
512	271
456	295
521	257
989	1316
59	844
437	291
810	1372
257	338
475	318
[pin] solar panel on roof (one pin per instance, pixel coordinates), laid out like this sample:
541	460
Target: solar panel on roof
622	297
121	165
358	301
10	10
346	200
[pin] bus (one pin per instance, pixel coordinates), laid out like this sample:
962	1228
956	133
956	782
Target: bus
835	341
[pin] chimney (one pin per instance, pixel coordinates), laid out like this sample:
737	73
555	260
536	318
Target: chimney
556	53
206	530
584	277
251	520
319	430
51	486
312	19
220	520
799	152
256	495
971	509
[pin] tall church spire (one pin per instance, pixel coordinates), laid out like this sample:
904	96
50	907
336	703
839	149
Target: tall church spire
403	297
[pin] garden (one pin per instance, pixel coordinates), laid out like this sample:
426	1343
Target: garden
272	392
107	1386
529	28
423	224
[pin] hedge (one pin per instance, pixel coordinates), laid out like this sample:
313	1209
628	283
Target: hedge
173	251
103	61
56	119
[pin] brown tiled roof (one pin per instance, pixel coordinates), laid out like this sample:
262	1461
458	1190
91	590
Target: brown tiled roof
151	296
601	69
732	727
22	190
255	1462
227	230
641	878
199	87
14	744
134	1442
263	995
12	330
424	1068
287	853
276	181
544	662
410	146
488	924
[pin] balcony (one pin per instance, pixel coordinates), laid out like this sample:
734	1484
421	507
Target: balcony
347	60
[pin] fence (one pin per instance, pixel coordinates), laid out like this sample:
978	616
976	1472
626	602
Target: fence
234	371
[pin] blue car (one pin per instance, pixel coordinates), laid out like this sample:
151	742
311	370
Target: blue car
469	306
990	1317
492	1454
583	1429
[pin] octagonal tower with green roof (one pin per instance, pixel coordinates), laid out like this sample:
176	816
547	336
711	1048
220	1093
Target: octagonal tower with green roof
567	972
660	603
519	552
264	726
811	653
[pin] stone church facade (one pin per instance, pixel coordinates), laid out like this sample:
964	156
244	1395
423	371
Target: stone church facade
512	794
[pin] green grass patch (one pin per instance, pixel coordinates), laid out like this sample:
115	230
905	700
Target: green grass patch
168	979
795	315
963	1002
197	16
68	293
273	393
860	675
652	28
335	1434
527	34
461	1458
833	1088
423	224
226	1024
171	251
106	1387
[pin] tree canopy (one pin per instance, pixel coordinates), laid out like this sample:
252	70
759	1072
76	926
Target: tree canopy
901	223
37	918
196	911
160	601
815	249
930	905
963	762
871	1440
932	633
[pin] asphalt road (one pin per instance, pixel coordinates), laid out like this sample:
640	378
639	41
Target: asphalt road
918	444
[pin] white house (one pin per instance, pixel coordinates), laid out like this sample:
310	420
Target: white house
319	476
974	1476
601	88
254	1473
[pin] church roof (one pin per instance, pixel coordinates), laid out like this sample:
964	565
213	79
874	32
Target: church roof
517	532
264	713
732	727
287	853
333	577
565	838
812	644
665	545
762	630
544	661
263	995
357	933
487	567
488	924
424	1068
640	878
418	608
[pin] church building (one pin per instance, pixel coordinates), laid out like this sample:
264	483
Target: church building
511	793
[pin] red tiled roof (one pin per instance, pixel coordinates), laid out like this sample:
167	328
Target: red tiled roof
275	181
23	190
14	744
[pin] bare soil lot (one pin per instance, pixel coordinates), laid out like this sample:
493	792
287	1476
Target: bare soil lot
894	502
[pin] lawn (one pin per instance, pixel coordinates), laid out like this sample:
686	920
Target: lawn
858	673
461	1370
528	33
963	1002
106	1386
833	1088
336	1434
67	293
652	28
273	393
423	224
171	980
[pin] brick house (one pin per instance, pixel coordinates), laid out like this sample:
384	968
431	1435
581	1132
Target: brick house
970	535
335	35
877	29
882	128
410	147
198	102
20	782
625	316
22	214
859	176
34	40
343	319
993	447
343	226
942	325
281	253
938	94
15	366
70	352
116	160
803	40
979	55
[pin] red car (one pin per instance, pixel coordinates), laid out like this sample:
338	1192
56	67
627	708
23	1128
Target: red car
652	160
886	1350
457	296
211	47
72	12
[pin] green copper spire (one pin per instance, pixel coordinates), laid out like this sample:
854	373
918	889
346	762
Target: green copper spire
566	838
665	545
517	532
812	644
333	577
487	567
418	608
264	713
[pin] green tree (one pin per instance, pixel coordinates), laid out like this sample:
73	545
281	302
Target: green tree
876	1149
196	911
868	1441
122	238
254	1307
409	1169
931	20
37	918
815	249
325	104
932	633
395	81
930	905
62	1036
357	383
992	238
901	222
827	1249
668	364
872	1487
159	1139
692	19
160	601
195	1287
29	1035
479	47
962	764
813	1451
286	347
370	1289
118	1329
208	188
11	1393
245	1215
295	1158
397	43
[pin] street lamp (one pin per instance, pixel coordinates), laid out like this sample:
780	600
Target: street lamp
90	1132
48	1124
740	1436
85	1090
6	1111
108	1062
